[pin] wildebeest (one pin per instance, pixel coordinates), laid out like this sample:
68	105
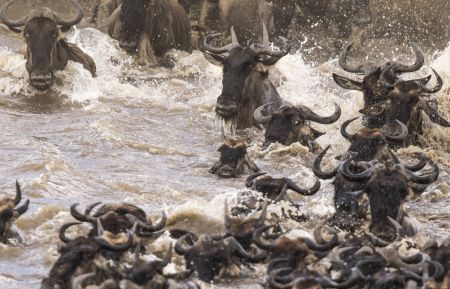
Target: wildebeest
47	50
246	85
405	102
276	188
118	218
387	186
349	190
9	212
233	159
151	28
207	256
373	88
290	124
372	143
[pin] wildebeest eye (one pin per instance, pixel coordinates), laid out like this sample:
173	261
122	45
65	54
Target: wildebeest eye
54	35
297	122
27	35
258	187
381	141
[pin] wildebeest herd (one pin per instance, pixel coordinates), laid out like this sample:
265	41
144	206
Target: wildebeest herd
359	246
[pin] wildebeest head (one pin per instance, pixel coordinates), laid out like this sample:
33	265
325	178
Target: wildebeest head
373	88
133	16
290	124
233	159
244	72
275	188
371	144
387	186
119	218
207	256
9	212
405	102
42	34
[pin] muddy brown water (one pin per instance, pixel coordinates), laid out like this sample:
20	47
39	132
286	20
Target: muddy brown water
148	137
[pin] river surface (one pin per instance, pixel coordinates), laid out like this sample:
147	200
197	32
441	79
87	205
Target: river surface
148	136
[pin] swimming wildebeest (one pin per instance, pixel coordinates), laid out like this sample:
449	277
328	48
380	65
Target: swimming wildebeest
246	85
372	87
47	50
207	256
9	212
290	124
233	159
405	102
387	184
276	188
151	28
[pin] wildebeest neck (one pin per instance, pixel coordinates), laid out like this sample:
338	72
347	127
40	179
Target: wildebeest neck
133	17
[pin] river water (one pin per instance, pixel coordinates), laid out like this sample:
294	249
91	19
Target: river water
148	136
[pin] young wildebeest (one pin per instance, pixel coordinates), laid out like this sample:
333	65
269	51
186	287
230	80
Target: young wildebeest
405	102
246	85
9	212
289	124
151	28
374	90
233	158
47	50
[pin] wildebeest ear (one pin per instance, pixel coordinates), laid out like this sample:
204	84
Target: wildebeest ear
347	83
221	148
376	109
76	54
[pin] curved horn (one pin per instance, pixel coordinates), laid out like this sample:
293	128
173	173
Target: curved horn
258	115
156	227
62	231
343	61
18	196
310	115
22	209
218	50
249	180
401	136
258	239
81	217
240	251
317	169
426	179
439	84
420	165
9	22
306	192
365	175
181	248
121	247
326	245
414	67
344	126
266	50
72	21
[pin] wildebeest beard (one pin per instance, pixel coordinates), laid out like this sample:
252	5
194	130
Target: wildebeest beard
133	17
